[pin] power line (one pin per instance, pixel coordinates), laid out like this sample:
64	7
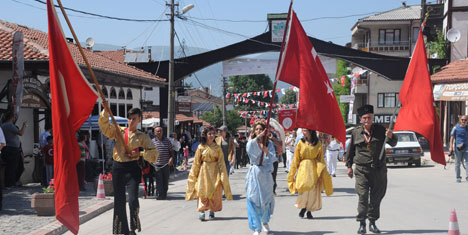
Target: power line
103	16
311	19
183	51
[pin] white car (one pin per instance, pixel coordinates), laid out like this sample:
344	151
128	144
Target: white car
407	149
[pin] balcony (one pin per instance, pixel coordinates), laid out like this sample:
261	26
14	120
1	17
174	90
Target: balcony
376	47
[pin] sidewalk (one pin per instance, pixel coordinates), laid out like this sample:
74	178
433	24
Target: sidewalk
17	216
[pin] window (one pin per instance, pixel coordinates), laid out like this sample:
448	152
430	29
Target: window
129	94
95	110
122	110
389	36
113	108
129	106
113	93
121	94
415	34
104	91
387	100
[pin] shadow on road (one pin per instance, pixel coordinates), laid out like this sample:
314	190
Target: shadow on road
237	197
229	218
417	231
301	233
344	190
334	217
17	200
408	167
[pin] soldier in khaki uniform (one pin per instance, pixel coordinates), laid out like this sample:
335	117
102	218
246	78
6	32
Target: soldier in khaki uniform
371	172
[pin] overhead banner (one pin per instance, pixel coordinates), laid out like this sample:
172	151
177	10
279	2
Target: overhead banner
451	92
236	67
287	118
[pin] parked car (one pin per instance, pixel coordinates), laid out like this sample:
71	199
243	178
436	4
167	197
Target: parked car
407	149
341	154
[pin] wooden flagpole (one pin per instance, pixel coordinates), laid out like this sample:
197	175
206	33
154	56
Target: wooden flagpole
106	107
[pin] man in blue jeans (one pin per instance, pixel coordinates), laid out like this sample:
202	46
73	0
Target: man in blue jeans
459	141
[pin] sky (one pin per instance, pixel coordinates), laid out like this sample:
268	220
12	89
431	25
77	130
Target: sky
210	24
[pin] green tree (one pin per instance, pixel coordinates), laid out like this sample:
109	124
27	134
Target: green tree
288	98
215	117
251	83
342	70
439	46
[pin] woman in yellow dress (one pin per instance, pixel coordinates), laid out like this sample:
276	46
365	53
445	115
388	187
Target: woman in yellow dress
208	176
312	176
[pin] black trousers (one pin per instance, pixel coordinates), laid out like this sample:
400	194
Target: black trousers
126	174
371	186
162	181
11	157
275	170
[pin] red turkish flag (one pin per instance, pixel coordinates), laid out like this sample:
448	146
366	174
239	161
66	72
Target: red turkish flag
72	102
299	65
417	111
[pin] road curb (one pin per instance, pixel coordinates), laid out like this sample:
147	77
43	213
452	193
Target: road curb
90	212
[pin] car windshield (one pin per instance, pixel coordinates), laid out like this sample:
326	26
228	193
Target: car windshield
406	137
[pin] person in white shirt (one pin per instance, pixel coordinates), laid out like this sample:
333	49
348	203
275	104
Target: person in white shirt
332	155
290	148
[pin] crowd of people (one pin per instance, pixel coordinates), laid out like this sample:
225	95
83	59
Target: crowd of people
309	158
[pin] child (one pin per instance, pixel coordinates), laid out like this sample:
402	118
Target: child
48	153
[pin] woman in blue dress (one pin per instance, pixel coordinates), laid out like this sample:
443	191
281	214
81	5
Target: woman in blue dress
259	182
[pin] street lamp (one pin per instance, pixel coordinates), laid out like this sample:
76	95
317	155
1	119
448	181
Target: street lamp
171	93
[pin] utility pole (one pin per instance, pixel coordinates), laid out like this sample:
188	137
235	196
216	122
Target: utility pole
224	102
171	93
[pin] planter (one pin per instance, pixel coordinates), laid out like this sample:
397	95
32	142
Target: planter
108	187
43	203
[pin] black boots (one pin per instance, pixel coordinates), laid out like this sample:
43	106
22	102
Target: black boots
373	228
309	215
302	212
362	228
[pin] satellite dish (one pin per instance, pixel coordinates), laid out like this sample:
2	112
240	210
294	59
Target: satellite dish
89	42
356	70
453	35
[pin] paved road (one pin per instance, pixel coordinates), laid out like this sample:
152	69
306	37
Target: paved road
418	201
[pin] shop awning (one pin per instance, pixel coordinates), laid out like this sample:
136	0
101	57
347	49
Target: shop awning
451	92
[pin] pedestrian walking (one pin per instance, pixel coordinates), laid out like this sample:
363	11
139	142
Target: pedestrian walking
163	164
11	153
125	168
80	166
48	153
226	142
259	182
208	176
312	177
332	155
290	143
366	144
459	139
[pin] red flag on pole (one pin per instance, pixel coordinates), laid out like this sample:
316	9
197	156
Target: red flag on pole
300	66
417	111
72	101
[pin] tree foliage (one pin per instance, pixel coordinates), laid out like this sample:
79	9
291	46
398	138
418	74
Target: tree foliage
215	117
251	83
288	98
342	70
439	46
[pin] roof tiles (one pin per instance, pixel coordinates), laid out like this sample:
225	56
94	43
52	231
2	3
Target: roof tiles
454	72
36	48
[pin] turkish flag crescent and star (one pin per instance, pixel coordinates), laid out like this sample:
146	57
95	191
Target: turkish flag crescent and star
299	65
417	111
72	101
